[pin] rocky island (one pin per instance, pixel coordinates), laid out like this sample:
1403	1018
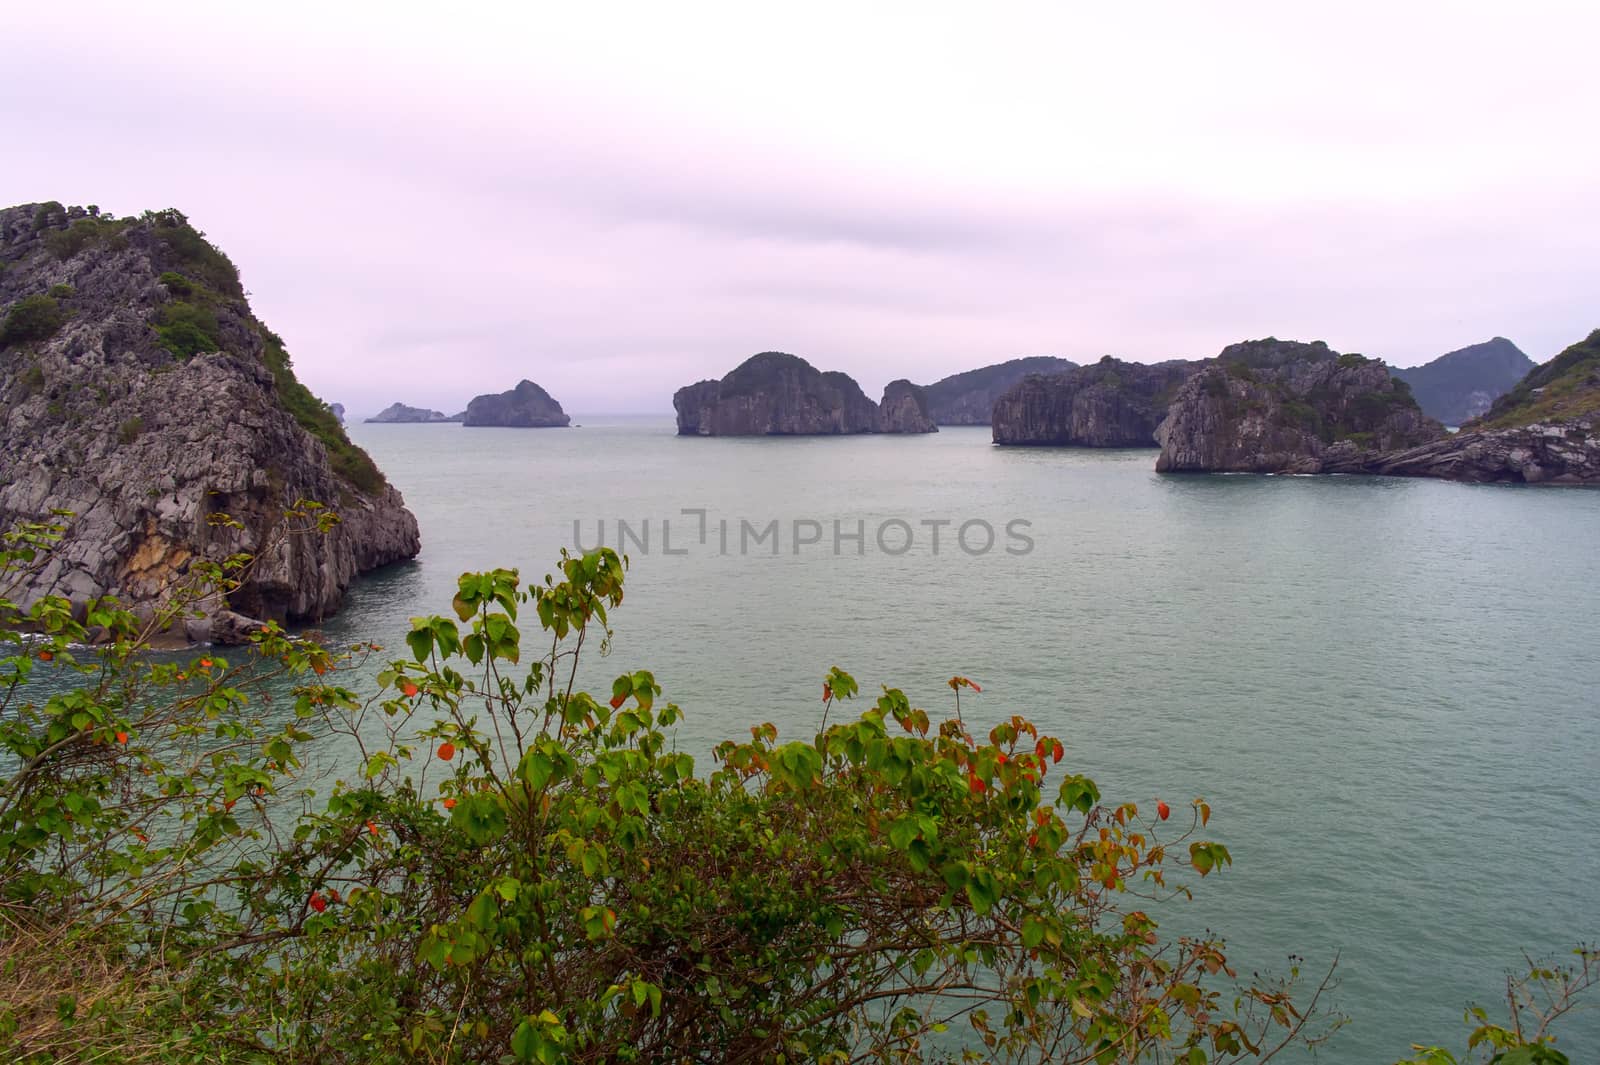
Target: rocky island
778	394
1281	406
140	394
1110	403
1546	430
399	412
525	407
1462	385
968	398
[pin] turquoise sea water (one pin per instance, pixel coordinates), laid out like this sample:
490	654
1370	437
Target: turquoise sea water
1388	689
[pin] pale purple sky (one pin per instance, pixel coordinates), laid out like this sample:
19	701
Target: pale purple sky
614	200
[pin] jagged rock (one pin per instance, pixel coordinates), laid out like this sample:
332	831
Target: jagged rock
775	394
399	412
338	411
968	398
1110	403
157	403
525	407
1560	453
904	409
222	627
1273	406
1463	384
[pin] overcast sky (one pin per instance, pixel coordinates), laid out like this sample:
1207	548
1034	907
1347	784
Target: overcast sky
614	200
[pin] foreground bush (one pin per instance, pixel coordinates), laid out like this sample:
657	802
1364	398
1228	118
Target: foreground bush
515	870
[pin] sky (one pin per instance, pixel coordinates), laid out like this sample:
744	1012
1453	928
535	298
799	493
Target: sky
433	201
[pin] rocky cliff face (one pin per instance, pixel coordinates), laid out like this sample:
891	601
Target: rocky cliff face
968	398
775	394
525	407
140	393
1271	406
904	409
399	412
1463	384
1108	404
1546	430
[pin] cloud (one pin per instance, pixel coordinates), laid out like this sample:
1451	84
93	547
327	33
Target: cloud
427	208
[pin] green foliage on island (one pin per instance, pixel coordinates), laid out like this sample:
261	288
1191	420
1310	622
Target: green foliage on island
515	870
81	233
189	250
187	329
32	318
1566	387
347	460
176	283
62	292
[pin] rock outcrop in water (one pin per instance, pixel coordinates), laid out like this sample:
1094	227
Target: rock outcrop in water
775	394
400	413
904	409
1546	430
1275	406
968	398
525	407
1462	385
1110	403
141	394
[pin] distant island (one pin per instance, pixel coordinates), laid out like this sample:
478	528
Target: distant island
1282	406
968	398
526	406
399	412
1272	406
1462	385
774	393
145	399
1110	403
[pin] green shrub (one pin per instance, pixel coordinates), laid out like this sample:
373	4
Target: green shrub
346	459
187	329
176	283
130	429
62	292
32	318
199	258
47	213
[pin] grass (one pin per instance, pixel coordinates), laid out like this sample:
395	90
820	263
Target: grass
1570	385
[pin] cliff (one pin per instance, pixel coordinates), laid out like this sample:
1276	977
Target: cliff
141	394
1274	406
399	412
525	407
1461	385
968	398
1108	404
775	394
1546	430
904	409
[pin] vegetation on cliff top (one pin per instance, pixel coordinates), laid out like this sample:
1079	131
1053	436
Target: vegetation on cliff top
1568	386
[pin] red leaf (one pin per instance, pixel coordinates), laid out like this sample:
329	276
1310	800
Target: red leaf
976	785
122	737
1163	810
447	750
318	903
827	692
409	688
449	804
974	685
617	701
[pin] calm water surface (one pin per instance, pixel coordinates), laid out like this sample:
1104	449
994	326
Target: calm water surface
1388	689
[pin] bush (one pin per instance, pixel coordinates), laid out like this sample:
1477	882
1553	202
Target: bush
543	877
199	258
187	329
62	292
346	459
176	283
32	318
130	429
